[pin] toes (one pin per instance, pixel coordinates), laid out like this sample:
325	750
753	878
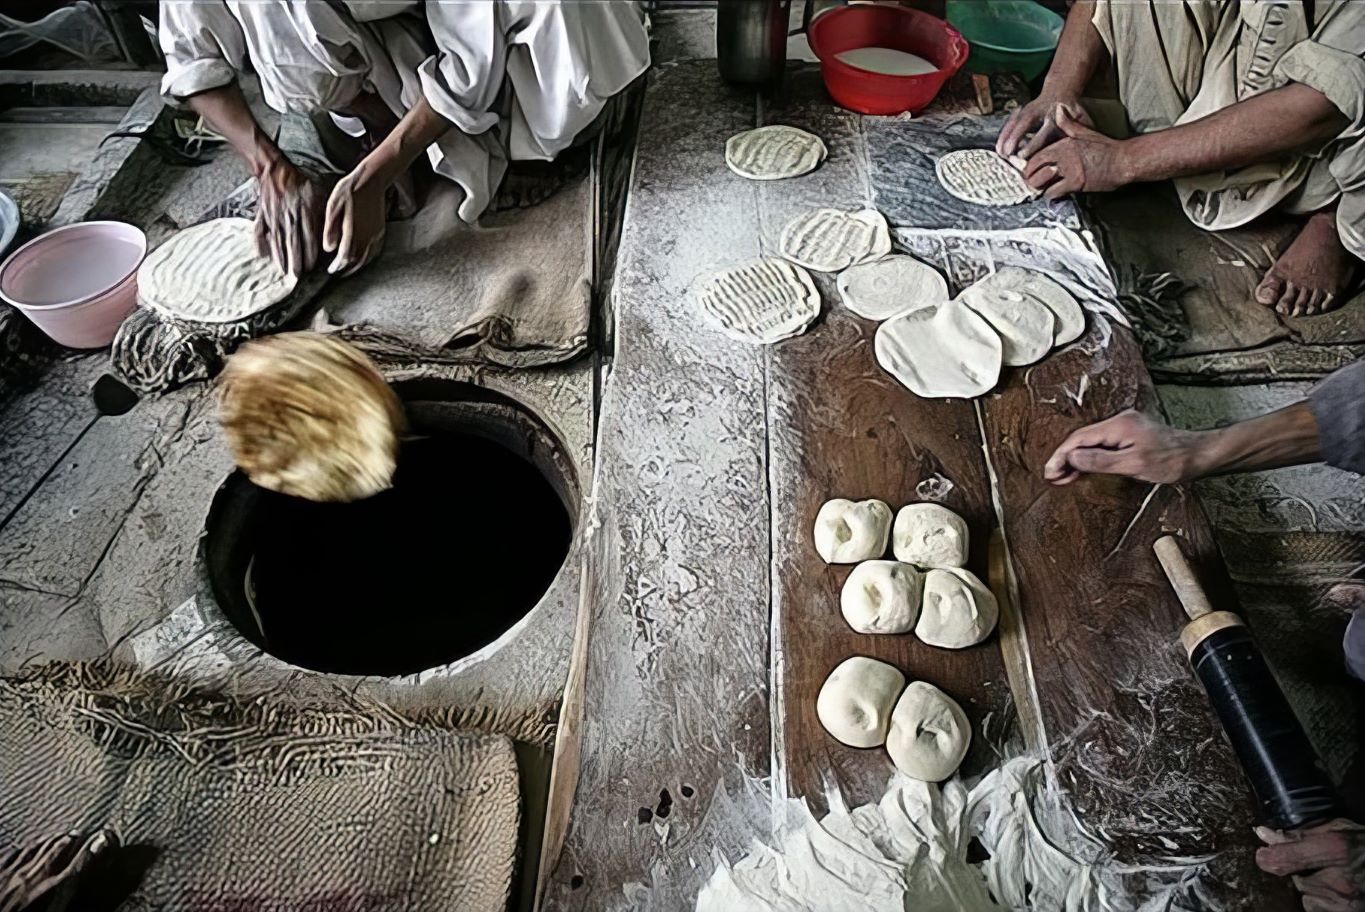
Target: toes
1315	302
1300	301
1270	290
1284	302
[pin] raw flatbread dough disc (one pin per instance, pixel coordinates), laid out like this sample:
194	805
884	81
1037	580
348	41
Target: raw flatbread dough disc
1070	317
762	302
982	177
892	285
941	352
774	153
1026	325
828	240
210	273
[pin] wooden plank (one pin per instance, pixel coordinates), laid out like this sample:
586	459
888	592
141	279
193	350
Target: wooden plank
1131	734
840	426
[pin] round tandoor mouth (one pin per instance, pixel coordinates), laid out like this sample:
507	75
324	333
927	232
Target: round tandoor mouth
470	537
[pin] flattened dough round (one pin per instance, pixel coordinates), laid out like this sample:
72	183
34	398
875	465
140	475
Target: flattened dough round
882	596
210	273
958	610
930	535
929	733
847	532
892	285
941	352
982	177
761	302
1026	325
774	152
1070	317
828	240
855	702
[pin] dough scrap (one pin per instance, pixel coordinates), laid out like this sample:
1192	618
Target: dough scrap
1026	325
958	610
1070	316
882	596
982	177
828	240
761	302
848	532
930	535
855	702
941	352
929	733
210	273
892	285
774	153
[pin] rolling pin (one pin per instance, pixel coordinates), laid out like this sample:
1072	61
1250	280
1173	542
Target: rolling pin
1290	787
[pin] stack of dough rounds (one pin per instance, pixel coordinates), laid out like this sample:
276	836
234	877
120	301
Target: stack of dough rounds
855	702
762	302
828	240
1002	291
958	610
848	532
310	416
929	733
982	177
774	152
211	273
890	286
930	535
882	596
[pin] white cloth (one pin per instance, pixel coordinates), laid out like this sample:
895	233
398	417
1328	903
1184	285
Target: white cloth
518	78
1180	60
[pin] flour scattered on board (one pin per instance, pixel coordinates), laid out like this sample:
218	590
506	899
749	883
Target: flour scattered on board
761	302
934	488
982	177
828	240
909	852
774	152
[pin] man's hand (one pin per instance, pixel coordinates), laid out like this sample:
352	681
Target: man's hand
1129	444
289	217
1084	159
356	214
1326	862
1036	122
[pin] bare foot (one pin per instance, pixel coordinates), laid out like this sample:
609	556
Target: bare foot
1313	274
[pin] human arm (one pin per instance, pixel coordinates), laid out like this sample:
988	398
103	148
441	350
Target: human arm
1326	862
1080	51
355	218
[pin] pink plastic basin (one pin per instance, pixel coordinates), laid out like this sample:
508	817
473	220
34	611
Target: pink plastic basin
78	283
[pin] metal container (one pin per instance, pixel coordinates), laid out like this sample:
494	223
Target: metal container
751	40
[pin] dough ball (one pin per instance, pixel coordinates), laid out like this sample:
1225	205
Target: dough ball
958	610
882	596
929	733
928	535
855	701
848	532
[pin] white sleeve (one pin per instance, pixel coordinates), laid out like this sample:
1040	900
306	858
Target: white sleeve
204	47
461	81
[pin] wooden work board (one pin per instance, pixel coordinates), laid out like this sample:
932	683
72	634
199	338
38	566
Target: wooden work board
712	621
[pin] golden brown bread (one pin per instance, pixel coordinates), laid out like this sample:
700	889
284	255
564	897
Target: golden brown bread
309	415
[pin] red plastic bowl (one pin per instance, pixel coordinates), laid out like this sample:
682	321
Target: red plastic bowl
874	25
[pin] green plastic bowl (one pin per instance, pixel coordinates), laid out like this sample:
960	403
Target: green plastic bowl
1007	35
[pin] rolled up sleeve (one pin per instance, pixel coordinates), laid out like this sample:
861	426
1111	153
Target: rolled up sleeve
203	44
1338	74
1338	405
463	79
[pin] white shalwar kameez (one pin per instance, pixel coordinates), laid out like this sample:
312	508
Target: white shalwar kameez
518	78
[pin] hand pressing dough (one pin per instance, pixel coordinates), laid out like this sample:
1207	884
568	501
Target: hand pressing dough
774	153
930	535
982	177
890	286
1025	324
929	733
882	596
856	699
848	532
1070	317
828	240
211	274
762	302
941	352
958	611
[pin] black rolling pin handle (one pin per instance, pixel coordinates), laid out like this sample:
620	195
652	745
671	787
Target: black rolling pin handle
1291	789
